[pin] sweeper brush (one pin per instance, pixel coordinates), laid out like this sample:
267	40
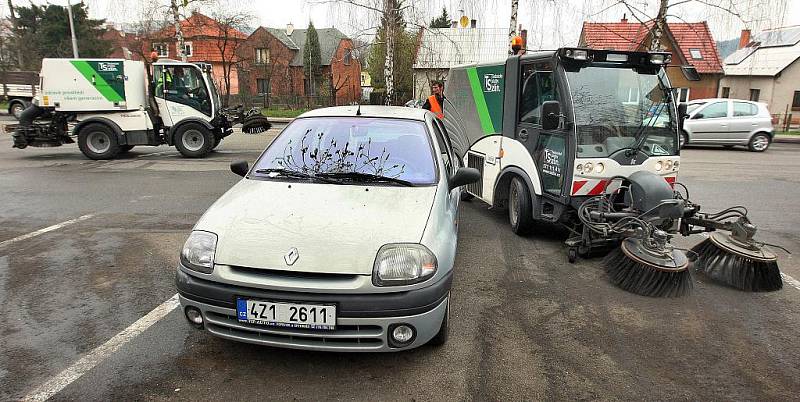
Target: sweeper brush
256	125
639	269
739	265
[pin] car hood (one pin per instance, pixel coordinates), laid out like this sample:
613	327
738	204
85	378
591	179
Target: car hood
335	228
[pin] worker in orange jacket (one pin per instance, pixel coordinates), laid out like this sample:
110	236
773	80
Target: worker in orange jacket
435	102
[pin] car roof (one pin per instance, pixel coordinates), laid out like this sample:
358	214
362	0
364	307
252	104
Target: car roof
719	99
391	112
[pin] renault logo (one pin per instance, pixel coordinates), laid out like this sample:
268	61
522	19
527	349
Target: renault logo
292	256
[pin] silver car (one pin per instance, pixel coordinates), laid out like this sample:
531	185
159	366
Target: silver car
728	122
341	237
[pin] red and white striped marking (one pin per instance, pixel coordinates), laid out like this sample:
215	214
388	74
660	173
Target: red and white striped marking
596	186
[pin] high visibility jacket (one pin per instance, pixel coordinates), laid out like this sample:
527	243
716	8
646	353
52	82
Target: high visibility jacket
435	106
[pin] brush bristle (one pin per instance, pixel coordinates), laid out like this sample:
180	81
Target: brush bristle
735	270
645	280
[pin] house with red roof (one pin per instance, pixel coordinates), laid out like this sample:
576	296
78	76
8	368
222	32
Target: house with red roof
206	40
691	44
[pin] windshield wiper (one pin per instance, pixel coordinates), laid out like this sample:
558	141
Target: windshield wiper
366	178
294	174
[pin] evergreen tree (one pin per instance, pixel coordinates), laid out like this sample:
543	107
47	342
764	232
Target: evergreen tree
442	21
312	61
43	31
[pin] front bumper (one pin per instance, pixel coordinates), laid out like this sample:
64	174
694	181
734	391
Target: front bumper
363	320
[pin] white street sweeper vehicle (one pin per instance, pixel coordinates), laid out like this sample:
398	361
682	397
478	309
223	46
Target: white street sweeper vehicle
111	106
589	139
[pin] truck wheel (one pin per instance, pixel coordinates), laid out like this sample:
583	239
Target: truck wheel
520	213
441	336
194	140
15	109
759	142
98	141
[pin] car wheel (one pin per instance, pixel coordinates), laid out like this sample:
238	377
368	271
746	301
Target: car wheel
759	142
519	207
16	109
444	329
125	148
194	140
683	140
97	141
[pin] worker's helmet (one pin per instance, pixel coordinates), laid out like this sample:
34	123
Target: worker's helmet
153	56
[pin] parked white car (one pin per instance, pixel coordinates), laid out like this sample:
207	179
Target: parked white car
341	237
728	122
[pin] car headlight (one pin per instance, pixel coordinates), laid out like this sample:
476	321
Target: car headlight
403	264
198	251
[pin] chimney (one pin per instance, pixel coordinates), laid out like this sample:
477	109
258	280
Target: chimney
744	39
473	23
624	19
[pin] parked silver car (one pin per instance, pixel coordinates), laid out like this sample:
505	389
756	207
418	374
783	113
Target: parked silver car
728	122
342	236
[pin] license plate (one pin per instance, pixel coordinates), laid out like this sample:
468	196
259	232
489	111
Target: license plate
293	315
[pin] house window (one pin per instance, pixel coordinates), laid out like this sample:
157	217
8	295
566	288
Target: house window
348	57
796	101
696	55
682	94
726	92
262	55
161	49
262	86
754	94
187	49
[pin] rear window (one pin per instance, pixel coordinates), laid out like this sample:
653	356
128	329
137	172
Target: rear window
385	147
744	109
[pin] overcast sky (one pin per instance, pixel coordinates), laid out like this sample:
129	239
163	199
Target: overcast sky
551	23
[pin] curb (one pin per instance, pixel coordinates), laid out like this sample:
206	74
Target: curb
787	139
282	120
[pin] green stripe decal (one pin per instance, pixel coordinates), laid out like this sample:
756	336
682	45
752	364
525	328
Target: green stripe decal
480	101
101	84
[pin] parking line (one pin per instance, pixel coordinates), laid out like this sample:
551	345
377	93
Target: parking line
45	230
100	353
791	281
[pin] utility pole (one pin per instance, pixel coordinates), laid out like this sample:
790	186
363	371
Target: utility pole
512	30
72	31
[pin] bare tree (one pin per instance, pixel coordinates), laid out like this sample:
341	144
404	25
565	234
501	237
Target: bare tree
229	38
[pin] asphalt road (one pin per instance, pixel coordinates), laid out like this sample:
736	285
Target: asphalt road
526	325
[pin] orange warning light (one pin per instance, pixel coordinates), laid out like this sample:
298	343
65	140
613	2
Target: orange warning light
516	44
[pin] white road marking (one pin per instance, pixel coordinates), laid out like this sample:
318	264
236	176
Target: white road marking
102	352
791	281
45	230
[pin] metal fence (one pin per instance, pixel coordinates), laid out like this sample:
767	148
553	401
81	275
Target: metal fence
786	121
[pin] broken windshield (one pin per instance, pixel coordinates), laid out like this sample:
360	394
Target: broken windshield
617	108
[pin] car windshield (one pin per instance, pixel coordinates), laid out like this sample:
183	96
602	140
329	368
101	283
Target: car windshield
617	108
353	148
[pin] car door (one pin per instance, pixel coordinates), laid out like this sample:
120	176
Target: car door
710	123
743	122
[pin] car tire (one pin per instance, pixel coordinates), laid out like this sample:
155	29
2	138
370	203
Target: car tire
520	212
684	139
16	109
98	141
759	142
125	148
194	140
444	330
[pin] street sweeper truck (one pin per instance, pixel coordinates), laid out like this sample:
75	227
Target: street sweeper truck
589	139
112	105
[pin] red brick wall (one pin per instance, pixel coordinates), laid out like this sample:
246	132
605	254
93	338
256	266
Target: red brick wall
346	75
277	71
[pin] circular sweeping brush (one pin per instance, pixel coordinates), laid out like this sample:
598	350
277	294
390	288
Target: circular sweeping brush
649	267
744	265
256	125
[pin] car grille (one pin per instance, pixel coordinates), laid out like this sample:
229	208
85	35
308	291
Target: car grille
282	274
344	336
475	161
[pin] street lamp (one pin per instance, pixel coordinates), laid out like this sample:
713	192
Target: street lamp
72	31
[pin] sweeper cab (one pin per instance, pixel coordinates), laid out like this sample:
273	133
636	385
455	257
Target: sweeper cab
111	105
588	139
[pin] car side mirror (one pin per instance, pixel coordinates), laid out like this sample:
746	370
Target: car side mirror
462	177
240	167
551	112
